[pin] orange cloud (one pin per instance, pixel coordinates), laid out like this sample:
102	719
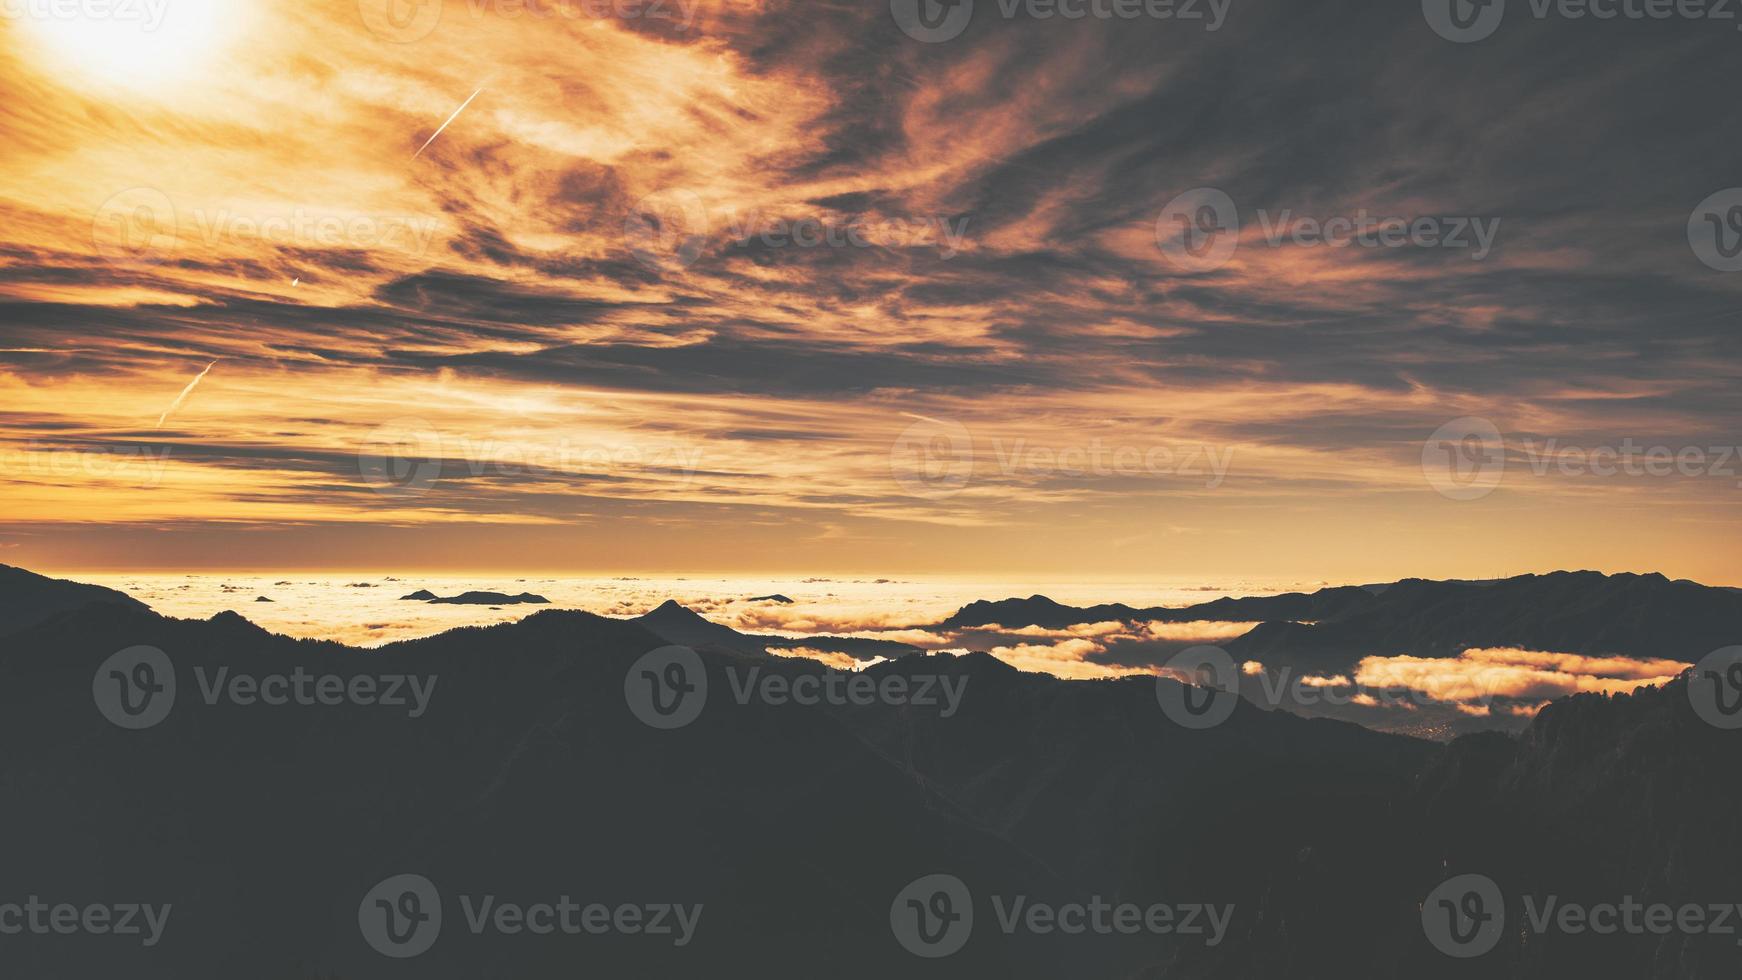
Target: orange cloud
1477	675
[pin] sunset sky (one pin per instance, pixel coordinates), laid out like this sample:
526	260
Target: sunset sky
572	333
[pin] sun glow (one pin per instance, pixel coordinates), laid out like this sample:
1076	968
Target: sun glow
133	43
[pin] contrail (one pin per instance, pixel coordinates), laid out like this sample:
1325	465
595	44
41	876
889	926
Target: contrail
185	392
438	132
924	418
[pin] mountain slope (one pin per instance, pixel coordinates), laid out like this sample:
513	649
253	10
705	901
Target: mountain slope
27	598
1643	616
527	777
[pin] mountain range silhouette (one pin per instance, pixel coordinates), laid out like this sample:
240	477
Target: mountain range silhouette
795	825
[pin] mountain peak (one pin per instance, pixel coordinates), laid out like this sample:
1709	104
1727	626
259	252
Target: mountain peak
674	622
672	607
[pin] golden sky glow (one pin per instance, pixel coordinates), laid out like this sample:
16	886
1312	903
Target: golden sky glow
949	344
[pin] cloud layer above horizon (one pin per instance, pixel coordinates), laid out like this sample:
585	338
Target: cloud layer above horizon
774	285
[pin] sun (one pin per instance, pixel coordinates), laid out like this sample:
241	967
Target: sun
131	43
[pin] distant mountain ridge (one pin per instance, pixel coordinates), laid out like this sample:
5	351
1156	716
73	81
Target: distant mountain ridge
27	598
795	824
1643	616
677	623
530	774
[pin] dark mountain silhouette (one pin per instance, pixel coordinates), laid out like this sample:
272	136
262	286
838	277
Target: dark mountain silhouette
1644	616
857	647
1598	799
777	598
676	623
27	598
529	777
421	595
490	599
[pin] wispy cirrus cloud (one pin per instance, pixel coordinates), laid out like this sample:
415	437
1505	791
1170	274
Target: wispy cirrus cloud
737	258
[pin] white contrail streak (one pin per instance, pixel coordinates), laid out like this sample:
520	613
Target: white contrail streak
924	418
438	132
185	392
